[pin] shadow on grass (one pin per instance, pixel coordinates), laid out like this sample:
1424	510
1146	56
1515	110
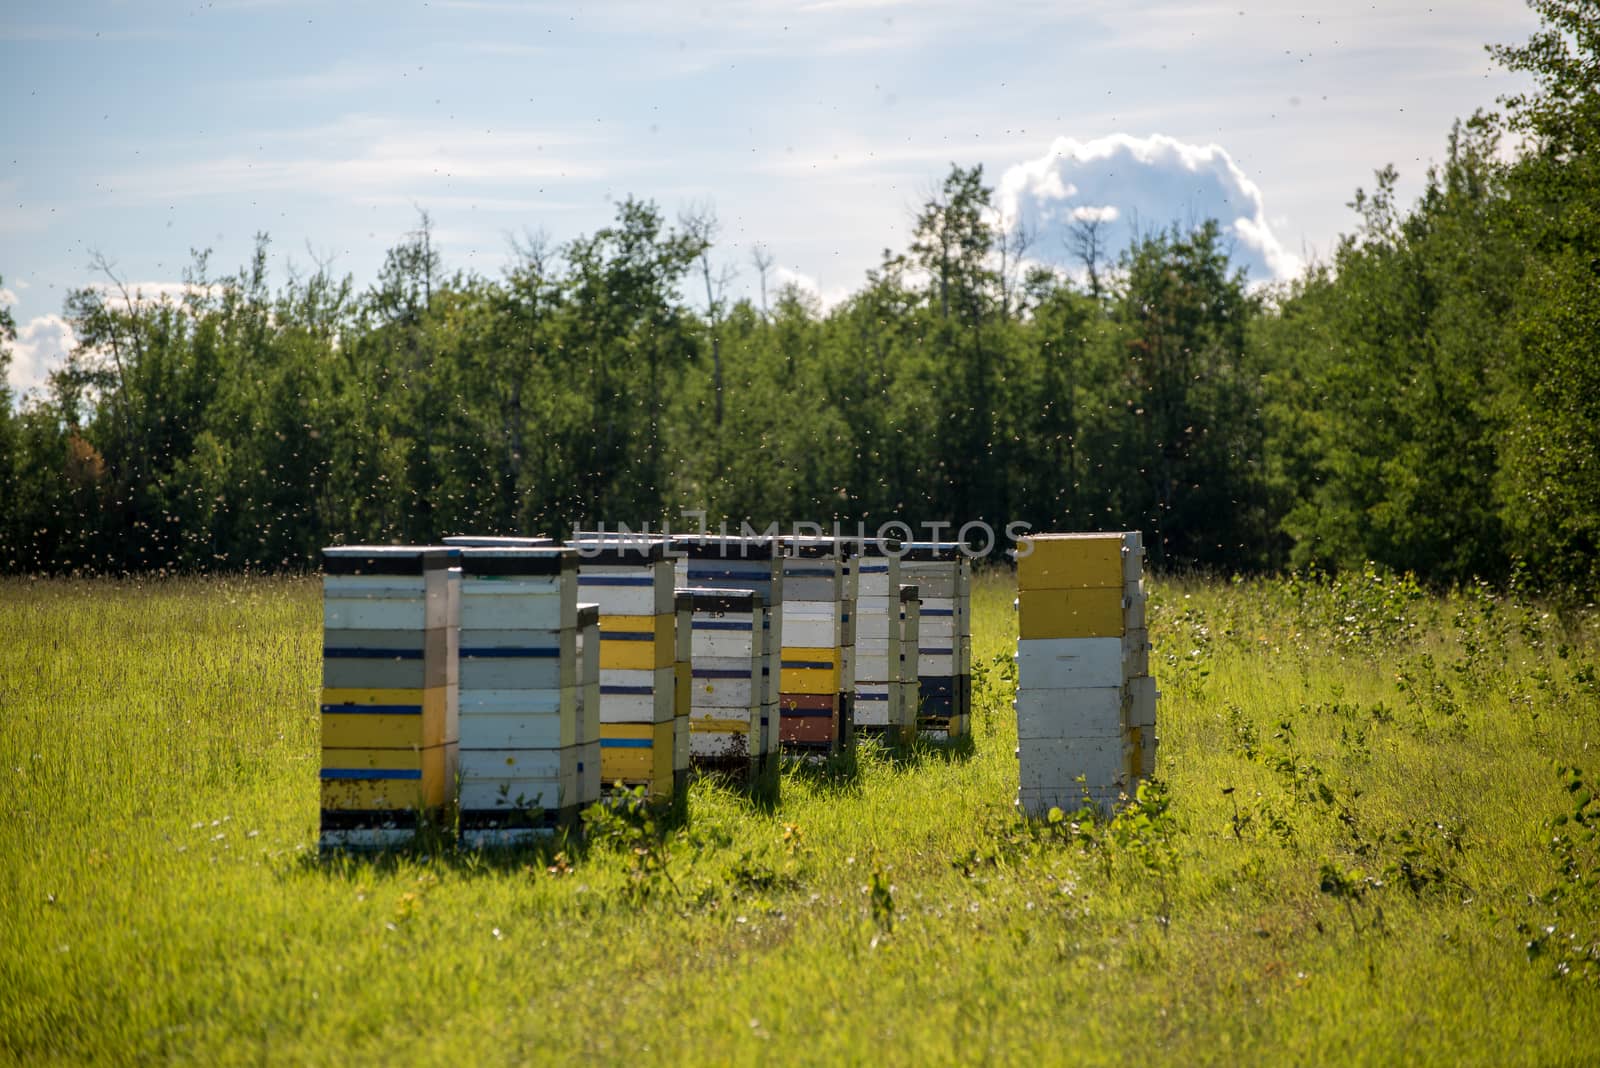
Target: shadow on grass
835	774
512	848
440	846
930	746
760	791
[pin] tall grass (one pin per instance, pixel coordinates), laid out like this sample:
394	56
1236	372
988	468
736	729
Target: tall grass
1350	860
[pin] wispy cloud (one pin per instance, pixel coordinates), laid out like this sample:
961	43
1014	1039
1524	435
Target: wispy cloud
364	158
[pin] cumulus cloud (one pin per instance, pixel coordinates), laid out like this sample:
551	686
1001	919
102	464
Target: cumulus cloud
42	345
1138	184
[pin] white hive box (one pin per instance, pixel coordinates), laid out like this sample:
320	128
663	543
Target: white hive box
1085	703
524	750
389	702
631	580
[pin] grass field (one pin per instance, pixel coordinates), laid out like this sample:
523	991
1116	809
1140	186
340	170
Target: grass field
1354	860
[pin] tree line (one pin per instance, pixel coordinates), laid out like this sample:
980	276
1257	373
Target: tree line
1427	398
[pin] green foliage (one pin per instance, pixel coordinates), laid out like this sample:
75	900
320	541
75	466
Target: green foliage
1425	403
1569	939
629	825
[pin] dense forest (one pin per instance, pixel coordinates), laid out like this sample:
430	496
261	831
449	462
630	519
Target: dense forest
1428	398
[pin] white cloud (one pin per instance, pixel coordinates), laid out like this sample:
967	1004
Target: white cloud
7	297
1133	185
42	345
826	300
150	293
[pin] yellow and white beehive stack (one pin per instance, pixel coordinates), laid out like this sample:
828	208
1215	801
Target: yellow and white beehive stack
389	693
1085	702
877	641
630	578
907	682
530	756
943	575
753	564
813	698
728	689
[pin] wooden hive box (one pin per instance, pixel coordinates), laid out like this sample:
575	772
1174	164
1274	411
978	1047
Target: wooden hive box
630	578
388	706
1085	703
523	747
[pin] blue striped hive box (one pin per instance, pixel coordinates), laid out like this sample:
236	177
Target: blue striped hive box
726	703
389	704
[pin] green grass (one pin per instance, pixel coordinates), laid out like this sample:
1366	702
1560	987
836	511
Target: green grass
160	897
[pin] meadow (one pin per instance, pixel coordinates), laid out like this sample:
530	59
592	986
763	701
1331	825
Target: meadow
1362	849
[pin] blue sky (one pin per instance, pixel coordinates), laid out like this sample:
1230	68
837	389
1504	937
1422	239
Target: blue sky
144	130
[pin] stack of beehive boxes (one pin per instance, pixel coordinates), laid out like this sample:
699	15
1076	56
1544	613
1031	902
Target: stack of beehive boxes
943	575
812	695
1085	701
728	689
389	693
755	565
630	578
907	682
530	752
877	640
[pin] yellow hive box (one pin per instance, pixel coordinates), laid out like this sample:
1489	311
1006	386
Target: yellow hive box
1067	561
661	626
387	779
1094	612
638	753
820	673
810	680
651	643
825	654
382	719
636	655
707	725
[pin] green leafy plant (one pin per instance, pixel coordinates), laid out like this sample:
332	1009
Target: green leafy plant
1569	938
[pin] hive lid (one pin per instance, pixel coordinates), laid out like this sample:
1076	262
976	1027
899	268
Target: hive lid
506	561
386	559
715	547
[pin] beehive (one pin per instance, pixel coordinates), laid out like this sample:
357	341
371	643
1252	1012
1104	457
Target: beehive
389	710
907	683
943	574
530	755
726	695
1085	702
814	699
746	564
877	639
630	579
